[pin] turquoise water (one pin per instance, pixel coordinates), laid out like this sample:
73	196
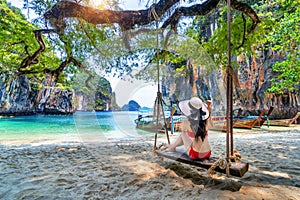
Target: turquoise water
81	127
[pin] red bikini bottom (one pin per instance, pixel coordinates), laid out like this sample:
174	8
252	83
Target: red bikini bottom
196	155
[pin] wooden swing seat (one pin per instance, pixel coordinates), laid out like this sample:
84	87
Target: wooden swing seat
236	169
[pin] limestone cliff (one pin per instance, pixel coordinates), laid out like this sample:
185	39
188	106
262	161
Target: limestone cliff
18	96
254	74
53	100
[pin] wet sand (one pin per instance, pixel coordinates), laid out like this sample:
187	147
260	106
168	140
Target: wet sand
129	169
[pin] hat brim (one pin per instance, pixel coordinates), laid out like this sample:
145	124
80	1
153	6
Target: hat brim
186	109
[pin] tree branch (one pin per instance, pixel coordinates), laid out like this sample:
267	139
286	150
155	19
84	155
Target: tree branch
195	10
244	8
244	32
29	60
128	18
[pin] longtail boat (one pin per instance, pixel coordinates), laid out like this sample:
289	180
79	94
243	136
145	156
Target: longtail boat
283	122
174	123
219	122
248	123
149	123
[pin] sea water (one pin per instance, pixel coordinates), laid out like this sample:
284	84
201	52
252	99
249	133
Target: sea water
80	127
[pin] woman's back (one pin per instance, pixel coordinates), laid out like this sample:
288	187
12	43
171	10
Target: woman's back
198	145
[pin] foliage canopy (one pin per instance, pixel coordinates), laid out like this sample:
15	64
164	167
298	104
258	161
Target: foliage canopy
81	42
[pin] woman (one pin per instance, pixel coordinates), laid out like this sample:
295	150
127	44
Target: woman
194	129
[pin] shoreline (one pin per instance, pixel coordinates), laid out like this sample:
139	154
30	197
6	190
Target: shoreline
33	113
80	137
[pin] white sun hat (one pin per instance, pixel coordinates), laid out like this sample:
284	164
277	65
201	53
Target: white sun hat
192	105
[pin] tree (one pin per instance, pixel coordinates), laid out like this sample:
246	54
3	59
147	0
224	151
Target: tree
284	37
79	31
103	94
19	40
61	16
277	32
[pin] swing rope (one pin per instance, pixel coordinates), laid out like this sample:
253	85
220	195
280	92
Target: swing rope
231	154
154	14
158	102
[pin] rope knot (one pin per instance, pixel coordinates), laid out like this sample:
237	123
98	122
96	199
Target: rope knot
236	156
222	163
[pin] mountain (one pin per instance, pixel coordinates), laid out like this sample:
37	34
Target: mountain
131	106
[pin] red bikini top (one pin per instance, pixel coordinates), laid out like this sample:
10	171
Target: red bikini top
192	134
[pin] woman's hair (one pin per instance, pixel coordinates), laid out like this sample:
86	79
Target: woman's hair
199	126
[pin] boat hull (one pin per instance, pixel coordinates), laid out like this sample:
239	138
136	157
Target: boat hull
283	122
220	123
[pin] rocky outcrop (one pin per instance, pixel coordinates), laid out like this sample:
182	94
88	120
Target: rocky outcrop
54	100
96	94
255	74
114	105
17	97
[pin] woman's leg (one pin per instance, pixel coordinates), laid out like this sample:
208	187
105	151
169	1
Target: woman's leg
178	142
183	139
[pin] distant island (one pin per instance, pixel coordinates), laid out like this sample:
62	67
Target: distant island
131	106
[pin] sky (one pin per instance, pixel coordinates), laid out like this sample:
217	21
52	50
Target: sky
142	92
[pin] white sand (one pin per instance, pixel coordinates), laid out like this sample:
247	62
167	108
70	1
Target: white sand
130	170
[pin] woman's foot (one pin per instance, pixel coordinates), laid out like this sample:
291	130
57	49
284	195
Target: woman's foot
170	149
167	147
163	146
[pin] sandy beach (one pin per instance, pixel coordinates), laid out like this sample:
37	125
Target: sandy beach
129	169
